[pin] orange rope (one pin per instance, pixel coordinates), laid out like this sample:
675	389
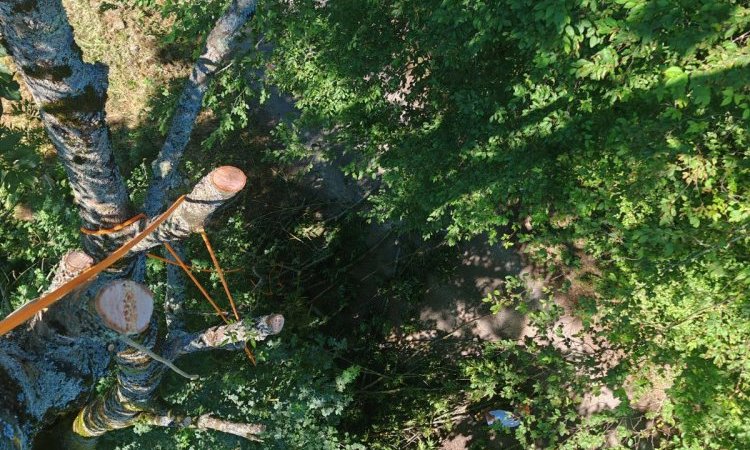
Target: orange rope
195	280
220	273
28	310
115	228
169	261
226	288
249	354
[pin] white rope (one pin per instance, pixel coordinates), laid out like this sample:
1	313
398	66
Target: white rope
156	357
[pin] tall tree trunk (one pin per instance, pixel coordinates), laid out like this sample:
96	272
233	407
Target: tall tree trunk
49	366
71	95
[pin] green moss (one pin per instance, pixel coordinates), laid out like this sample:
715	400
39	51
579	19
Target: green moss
46	71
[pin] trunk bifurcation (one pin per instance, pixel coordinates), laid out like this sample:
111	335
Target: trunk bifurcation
51	365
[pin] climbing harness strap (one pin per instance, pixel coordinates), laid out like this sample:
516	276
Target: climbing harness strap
115	228
28	310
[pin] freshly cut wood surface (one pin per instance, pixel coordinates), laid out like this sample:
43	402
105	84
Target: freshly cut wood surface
125	306
275	323
77	261
228	178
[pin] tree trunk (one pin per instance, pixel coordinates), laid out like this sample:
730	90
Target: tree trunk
49	366
71	96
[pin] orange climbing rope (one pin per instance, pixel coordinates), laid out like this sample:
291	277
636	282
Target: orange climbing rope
203	291
28	310
220	273
197	283
115	228
194	269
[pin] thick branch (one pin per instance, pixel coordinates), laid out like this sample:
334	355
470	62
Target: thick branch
70	95
217	51
71	264
207	196
233	336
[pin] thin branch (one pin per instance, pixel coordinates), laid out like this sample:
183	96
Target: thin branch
155	357
230	337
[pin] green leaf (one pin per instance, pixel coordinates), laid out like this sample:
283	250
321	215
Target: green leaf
702	95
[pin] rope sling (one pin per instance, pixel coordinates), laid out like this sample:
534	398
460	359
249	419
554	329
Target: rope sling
28	310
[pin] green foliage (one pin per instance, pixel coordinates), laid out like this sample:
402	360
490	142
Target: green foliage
296	392
34	201
622	125
8	86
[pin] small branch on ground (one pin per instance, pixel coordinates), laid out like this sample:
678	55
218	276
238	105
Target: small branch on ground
248	431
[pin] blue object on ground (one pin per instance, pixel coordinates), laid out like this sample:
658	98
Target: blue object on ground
506	418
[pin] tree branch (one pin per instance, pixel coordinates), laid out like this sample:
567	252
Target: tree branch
137	379
230	337
71	264
207	196
125	306
174	298
218	49
205	422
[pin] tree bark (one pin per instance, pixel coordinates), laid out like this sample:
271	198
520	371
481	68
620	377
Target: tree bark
206	197
70	95
49	366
